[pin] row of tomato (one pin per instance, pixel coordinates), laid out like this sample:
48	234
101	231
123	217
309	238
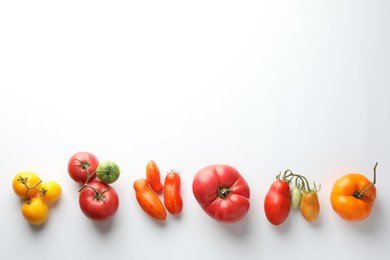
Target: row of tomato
220	190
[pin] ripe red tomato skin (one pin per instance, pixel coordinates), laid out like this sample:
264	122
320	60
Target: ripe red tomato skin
277	203
99	210
172	198
76	170
149	201
212	181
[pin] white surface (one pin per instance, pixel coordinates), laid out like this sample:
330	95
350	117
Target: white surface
260	85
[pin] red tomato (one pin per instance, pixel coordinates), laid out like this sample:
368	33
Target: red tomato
98	201
277	202
81	165
148	200
172	197
222	193
153	177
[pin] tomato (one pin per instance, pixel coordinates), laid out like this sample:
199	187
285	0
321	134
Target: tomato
50	191
353	196
82	167
310	206
108	172
172	197
148	200
98	201
26	184
35	211
153	177
222	193
277	202
295	197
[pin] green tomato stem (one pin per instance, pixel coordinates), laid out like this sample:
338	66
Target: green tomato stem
88	177
359	195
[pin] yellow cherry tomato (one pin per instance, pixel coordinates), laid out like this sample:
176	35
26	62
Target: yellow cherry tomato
26	184
50	191
35	211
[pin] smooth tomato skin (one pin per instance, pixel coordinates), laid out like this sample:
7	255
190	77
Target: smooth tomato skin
277	203
348	206
26	184
50	191
35	211
149	201
172	198
310	206
95	209
80	165
207	186
153	177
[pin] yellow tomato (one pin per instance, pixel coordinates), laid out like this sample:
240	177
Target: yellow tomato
26	184
50	191
35	211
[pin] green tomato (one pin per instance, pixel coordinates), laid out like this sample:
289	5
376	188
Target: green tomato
295	197
108	172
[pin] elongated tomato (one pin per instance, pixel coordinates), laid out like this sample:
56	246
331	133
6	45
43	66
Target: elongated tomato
153	177
149	201
277	202
172	197
310	206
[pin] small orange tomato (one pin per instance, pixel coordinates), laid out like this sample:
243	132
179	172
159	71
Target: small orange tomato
35	211
50	191
310	206
172	197
26	184
149	201
153	177
353	196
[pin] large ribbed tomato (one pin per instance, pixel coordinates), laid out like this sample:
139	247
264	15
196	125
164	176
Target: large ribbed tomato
222	193
353	196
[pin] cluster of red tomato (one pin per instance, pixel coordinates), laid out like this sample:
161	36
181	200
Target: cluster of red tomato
220	190
36	196
98	200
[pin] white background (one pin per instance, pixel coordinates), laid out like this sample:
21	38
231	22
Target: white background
260	85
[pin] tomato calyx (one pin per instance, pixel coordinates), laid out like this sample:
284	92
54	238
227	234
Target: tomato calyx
99	195
360	194
223	192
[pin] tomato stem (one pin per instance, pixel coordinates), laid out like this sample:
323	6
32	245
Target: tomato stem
24	182
98	195
223	192
88	175
358	194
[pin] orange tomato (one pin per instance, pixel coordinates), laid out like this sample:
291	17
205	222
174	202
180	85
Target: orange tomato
153	177
310	206
35	211
172	197
149	201
353	196
50	191
26	184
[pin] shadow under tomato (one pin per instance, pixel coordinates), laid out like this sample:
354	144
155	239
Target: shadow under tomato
37	228
373	223
104	226
238	229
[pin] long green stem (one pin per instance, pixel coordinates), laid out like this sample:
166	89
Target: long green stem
360	194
